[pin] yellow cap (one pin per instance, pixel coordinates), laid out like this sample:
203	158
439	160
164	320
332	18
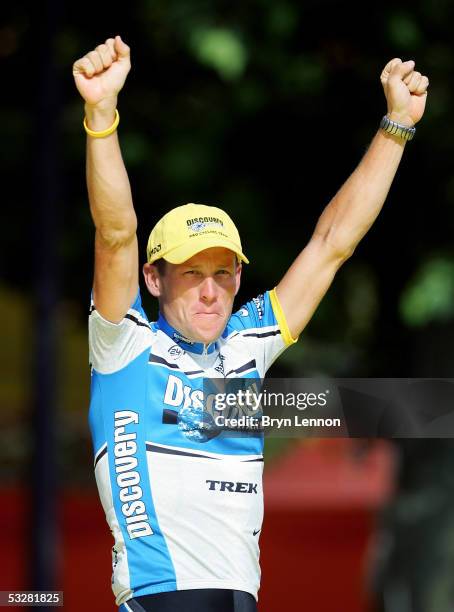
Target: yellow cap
189	229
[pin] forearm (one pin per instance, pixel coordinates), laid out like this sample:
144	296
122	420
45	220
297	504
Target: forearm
107	180
357	204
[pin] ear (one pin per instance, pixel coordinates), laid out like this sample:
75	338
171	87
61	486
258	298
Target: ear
238	270
152	279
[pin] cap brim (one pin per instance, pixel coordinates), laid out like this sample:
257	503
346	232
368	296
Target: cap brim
192	247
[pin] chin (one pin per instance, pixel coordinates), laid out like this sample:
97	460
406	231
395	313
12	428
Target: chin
207	337
209	334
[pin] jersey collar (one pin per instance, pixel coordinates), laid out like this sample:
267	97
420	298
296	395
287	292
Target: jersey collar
188	345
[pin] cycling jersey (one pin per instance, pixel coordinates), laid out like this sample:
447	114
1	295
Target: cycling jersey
185	506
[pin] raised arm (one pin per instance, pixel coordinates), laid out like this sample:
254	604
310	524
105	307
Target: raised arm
355	207
99	76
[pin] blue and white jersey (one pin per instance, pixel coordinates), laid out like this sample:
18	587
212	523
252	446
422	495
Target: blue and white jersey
184	508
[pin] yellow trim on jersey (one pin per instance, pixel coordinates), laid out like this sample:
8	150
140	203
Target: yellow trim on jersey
280	316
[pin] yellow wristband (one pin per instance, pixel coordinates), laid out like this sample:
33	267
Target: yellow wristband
104	133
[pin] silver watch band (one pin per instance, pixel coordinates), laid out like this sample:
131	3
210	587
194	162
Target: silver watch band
402	131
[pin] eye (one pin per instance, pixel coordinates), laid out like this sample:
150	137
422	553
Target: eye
223	272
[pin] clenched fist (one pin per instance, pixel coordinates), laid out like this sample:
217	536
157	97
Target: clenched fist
405	91
101	73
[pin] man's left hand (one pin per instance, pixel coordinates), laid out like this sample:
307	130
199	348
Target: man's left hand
405	91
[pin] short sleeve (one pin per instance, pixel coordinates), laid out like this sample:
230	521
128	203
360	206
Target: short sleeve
262	325
113	346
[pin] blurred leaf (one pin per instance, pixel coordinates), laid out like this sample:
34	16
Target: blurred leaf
430	295
251	96
135	148
361	300
304	74
404	31
186	161
220	49
282	19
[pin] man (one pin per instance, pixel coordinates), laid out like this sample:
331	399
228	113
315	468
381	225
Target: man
185	504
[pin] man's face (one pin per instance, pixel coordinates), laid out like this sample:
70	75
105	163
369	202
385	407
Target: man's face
196	297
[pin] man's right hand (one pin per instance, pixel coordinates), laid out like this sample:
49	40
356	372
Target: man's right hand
101	73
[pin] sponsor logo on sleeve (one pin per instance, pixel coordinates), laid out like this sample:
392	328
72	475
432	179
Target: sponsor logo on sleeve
259	305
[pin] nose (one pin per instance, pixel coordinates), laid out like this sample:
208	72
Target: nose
208	290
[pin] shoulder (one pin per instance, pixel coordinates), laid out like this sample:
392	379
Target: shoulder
112	346
255	314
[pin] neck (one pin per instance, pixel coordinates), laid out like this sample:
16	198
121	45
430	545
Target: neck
191	346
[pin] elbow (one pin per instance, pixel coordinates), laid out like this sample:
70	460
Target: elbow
116	237
346	253
339	250
340	255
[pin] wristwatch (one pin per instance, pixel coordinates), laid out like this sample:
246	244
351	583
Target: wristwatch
402	131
